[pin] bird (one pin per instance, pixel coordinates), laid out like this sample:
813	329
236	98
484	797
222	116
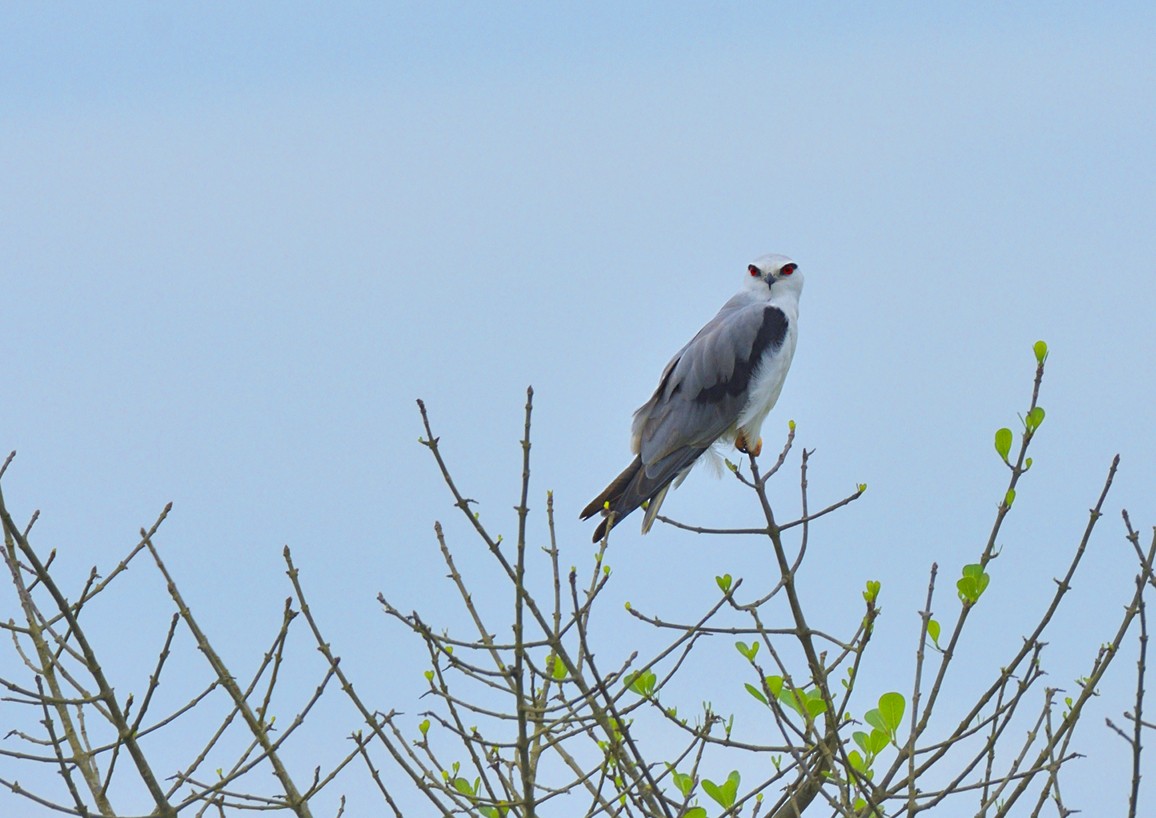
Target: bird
718	389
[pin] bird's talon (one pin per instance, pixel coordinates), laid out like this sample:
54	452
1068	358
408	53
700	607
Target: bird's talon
746	448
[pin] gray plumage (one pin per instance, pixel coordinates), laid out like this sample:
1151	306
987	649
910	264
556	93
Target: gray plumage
717	388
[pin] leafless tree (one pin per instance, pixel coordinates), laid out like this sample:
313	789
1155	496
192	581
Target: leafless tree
528	716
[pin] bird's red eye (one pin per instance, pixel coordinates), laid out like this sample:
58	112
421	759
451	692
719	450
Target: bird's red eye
789	268
753	270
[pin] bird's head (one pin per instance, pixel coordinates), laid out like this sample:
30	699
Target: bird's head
777	273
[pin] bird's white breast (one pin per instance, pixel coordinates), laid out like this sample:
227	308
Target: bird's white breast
769	376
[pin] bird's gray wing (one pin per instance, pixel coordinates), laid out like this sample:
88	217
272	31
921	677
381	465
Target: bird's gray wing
704	387
701	394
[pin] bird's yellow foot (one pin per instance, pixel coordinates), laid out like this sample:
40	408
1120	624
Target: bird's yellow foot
746	448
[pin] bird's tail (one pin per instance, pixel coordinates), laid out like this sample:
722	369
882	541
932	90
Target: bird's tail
654	505
618	499
633	487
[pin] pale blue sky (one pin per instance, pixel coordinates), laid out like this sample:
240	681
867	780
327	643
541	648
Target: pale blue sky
239	241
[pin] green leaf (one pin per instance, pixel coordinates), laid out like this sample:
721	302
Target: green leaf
872	744
695	812
754	691
684	782
424	727
642	682
1003	442
462	786
967	589
872	592
933	630
559	671
1034	419
875	719
724	582
981	578
806	704
973	583
1009	498
726	793
732	784
815	703
775	685
857	762
429	675
748	651
794	699
1041	351
891	707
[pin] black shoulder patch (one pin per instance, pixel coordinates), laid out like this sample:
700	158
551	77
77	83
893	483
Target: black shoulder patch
770	336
